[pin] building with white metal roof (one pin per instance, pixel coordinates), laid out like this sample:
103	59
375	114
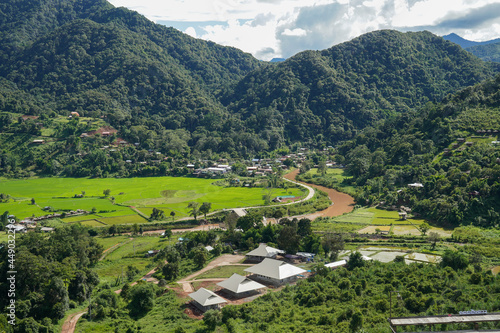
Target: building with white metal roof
275	271
263	251
238	285
336	264
205	299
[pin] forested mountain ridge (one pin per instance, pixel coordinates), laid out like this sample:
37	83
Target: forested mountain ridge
172	93
351	85
490	52
450	148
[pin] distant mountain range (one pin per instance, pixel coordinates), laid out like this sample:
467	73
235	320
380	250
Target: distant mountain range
464	43
487	50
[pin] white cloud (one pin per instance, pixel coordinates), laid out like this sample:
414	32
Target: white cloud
191	32
281	28
297	32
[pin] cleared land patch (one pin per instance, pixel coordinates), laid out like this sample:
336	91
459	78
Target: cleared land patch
223	272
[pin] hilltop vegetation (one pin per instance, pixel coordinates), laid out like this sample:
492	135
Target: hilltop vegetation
172	93
429	146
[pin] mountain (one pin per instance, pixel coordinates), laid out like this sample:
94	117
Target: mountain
173	93
329	95
449	147
489	52
464	43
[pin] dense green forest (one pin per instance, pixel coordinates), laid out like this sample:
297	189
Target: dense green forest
172	93
490	52
53	274
450	148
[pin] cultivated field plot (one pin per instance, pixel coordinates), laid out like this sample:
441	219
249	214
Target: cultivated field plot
124	251
92	223
385	256
423	257
405	230
373	229
167	193
333	226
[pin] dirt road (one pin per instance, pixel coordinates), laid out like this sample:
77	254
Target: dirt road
342	203
223	260
70	323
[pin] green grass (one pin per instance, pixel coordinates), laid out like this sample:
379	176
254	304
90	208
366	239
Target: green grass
80	218
361	218
166	193
129	252
332	226
92	223
223	272
123	219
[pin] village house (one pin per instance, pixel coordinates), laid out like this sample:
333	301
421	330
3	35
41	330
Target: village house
275	272
205	299
262	252
240	286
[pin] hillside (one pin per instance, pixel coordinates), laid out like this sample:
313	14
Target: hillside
490	52
319	96
450	148
185	97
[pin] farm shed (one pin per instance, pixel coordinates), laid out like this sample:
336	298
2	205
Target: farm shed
336	264
239	286
263	251
205	299
275	271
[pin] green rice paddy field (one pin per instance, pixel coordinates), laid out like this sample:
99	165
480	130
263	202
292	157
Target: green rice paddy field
143	194
368	220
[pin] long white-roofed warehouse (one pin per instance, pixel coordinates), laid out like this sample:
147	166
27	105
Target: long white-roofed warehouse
205	299
263	251
240	286
275	272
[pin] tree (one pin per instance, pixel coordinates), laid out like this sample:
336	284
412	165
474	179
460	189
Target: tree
142	298
248	221
200	256
171	270
33	201
106	192
172	214
230	221
333	244
205	208
304	227
288	239
454	259
212	318
322	167
157	215
356	321
195	210
423	228
355	260
433	238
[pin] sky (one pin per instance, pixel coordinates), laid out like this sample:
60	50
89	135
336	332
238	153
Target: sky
281	28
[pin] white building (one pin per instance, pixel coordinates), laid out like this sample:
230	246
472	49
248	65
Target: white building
205	299
263	251
240	286
275	271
